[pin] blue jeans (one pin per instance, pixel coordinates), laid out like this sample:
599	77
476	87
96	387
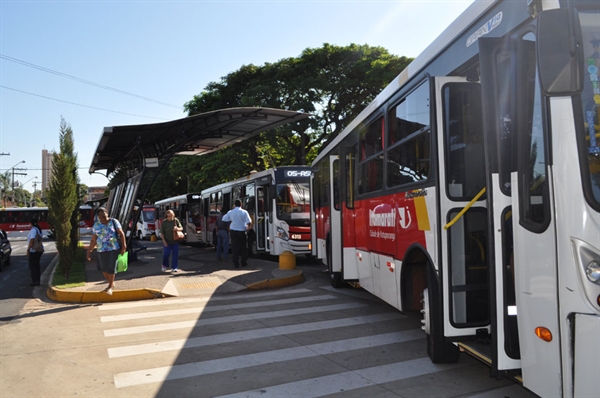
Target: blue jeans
222	244
171	248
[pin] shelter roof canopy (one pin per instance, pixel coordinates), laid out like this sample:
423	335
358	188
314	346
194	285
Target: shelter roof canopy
128	146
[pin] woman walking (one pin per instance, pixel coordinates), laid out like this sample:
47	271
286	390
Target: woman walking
109	238
34	252
171	245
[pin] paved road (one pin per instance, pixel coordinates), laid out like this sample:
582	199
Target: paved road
305	340
15	291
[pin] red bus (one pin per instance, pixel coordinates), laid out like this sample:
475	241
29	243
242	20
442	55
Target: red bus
469	191
19	218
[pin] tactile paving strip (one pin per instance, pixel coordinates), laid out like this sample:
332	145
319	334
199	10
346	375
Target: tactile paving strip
205	285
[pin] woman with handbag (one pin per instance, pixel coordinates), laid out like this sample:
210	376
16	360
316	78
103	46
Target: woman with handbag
171	233
108	237
35	248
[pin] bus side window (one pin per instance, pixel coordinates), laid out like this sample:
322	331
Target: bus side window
465	166
409	139
350	160
371	168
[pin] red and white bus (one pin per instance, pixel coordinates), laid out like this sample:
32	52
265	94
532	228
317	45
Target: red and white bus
469	189
278	201
19	218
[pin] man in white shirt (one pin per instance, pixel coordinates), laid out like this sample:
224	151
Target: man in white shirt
240	223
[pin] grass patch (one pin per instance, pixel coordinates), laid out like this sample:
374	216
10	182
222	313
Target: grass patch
76	273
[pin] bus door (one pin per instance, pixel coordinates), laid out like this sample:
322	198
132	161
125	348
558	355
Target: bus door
334	240
496	74
261	222
464	261
533	224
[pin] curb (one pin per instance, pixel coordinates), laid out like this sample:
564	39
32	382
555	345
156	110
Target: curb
101	297
65	296
277	283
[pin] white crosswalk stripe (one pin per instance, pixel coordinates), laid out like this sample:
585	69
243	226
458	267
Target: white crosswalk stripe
246	335
201	309
190	300
175	372
346	381
235	318
341	343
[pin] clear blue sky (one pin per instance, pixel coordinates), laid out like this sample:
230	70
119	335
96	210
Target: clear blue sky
165	51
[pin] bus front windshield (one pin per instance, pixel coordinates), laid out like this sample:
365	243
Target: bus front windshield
293	201
149	215
590	98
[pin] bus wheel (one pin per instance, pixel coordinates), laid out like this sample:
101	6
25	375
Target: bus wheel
438	350
140	236
335	278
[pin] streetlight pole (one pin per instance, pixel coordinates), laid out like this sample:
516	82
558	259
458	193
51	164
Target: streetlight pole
13	178
33	194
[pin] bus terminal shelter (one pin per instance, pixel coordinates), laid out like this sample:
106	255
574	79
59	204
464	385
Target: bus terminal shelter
142	151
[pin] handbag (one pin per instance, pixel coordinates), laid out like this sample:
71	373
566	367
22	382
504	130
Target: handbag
37	242
178	235
122	262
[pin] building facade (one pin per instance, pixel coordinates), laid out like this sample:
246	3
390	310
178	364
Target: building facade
47	158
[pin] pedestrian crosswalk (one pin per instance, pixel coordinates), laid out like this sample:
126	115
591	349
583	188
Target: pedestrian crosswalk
292	342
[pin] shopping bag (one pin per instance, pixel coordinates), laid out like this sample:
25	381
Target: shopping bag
122	261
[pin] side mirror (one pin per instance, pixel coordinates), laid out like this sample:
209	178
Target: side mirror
559	52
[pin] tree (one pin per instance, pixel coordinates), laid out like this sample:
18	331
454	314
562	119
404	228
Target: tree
4	185
63	197
331	83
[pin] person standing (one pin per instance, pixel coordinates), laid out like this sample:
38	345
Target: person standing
34	254
109	239
222	236
171	245
240	223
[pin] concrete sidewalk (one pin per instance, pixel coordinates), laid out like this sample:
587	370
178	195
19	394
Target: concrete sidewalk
200	273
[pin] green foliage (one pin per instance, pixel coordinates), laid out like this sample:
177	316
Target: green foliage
62	196
76	275
331	83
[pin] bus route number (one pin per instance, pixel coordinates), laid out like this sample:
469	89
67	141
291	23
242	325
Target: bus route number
296	173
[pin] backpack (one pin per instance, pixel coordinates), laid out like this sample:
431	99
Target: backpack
37	242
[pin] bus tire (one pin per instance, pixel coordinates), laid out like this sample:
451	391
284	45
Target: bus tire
438	350
140	236
335	278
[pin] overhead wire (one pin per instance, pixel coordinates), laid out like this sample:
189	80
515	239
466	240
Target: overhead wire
78	79
85	106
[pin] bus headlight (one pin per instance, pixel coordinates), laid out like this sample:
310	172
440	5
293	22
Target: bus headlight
282	234
592	271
